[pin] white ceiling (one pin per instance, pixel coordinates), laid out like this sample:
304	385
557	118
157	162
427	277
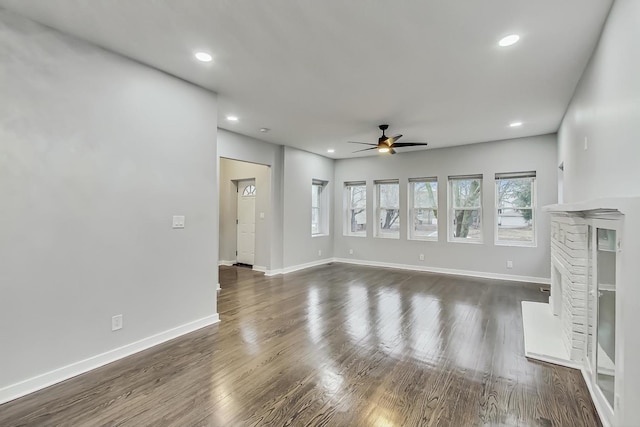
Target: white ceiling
320	73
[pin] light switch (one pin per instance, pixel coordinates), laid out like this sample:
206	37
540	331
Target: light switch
261	215
178	221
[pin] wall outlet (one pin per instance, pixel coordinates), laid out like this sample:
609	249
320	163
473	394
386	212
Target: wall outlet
509	264
116	322
350	251
421	257
319	252
261	215
586	143
178	221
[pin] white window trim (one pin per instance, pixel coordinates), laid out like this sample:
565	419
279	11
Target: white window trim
534	197
346	200
411	210
377	231
323	211
451	209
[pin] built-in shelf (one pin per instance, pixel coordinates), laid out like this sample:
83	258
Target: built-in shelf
607	287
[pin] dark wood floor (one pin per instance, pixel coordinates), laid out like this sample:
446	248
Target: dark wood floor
335	345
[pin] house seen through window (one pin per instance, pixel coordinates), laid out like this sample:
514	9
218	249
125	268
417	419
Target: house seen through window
515	208
423	208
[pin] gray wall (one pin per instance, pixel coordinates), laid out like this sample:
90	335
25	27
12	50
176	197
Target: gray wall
606	110
230	172
239	147
96	154
301	168
525	154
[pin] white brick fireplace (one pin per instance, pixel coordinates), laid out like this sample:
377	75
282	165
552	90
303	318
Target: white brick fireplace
569	251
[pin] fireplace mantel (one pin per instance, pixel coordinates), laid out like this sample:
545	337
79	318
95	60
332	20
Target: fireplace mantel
559	332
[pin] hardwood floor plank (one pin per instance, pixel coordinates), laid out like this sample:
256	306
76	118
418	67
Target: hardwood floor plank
334	345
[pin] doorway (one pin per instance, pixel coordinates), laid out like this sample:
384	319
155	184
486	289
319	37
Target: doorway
246	222
235	176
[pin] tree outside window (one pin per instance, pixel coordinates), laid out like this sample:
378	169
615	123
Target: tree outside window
465	200
388	209
356	209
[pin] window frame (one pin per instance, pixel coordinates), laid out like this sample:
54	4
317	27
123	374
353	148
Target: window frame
348	208
411	209
533	206
377	230
323	229
451	209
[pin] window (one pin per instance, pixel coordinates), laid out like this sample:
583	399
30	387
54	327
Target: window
249	190
515	208
318	208
387	209
465	208
423	209
356	209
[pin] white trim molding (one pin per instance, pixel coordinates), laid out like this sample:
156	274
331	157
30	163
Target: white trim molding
468	273
273	272
63	373
259	268
298	267
228	263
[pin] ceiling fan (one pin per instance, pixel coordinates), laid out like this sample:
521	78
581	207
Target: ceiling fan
387	144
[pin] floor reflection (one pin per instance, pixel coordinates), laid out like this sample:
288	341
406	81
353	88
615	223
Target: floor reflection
337	345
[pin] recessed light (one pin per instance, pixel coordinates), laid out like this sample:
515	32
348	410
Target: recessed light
509	40
515	124
264	130
331	150
203	56
232	118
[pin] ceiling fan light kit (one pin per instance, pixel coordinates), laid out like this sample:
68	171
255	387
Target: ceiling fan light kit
387	144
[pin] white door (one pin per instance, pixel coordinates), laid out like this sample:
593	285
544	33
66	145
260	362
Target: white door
246	227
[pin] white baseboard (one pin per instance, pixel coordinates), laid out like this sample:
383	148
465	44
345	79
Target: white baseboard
306	265
226	262
259	268
47	379
218	288
469	273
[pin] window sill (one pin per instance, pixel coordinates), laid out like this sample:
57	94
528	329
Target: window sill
467	241
354	235
517	244
426	239
387	237
320	235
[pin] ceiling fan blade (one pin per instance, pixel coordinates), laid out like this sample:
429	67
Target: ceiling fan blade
363	143
365	149
409	144
392	151
393	139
